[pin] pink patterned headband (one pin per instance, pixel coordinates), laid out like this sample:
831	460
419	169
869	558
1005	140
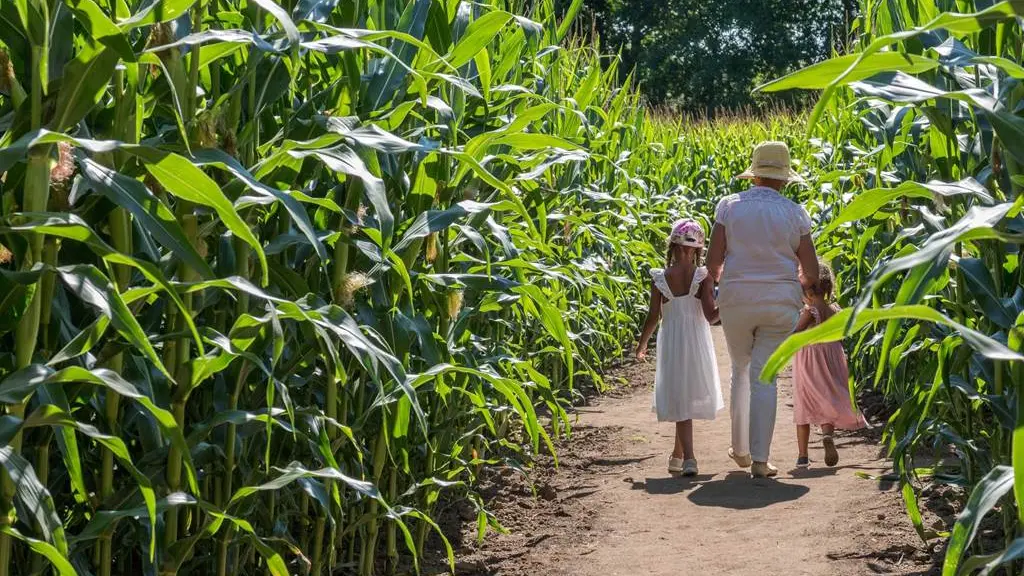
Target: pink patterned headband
687	233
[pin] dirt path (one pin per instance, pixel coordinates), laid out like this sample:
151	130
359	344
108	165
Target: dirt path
611	508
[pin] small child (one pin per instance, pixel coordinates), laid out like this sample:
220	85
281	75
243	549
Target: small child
820	377
686	382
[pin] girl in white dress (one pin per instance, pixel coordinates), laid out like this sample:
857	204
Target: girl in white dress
686	385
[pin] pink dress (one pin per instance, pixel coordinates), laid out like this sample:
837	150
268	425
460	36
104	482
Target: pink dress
820	386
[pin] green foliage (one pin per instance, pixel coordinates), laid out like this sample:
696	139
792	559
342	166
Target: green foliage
705	56
280	278
922	217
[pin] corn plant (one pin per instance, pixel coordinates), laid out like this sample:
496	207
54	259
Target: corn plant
922	216
279	277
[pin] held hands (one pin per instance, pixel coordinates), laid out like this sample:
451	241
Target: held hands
641	351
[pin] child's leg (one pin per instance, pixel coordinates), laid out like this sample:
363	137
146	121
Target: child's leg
829	444
803	436
677	448
684	439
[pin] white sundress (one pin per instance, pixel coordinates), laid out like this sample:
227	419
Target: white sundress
686	386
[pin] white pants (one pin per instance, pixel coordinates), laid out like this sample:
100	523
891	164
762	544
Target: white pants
755	321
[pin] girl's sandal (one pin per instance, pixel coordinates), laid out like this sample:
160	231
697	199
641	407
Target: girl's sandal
690	467
831	454
675	466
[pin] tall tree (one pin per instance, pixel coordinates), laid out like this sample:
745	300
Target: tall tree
702	56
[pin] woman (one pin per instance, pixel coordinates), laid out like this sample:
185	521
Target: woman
760	243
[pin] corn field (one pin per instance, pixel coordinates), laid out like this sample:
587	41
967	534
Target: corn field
279	278
920	142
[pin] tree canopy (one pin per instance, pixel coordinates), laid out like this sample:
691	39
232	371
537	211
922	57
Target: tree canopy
700	56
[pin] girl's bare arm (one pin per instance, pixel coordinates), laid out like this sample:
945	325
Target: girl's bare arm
804	321
653	315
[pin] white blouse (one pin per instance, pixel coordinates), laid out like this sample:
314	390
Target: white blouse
762	234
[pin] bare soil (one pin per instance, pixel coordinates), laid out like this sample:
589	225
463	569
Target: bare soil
611	508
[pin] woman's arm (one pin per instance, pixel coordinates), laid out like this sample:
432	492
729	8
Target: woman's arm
716	252
808	261
707	300
804	321
653	315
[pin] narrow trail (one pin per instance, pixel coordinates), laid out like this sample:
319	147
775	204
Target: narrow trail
611	508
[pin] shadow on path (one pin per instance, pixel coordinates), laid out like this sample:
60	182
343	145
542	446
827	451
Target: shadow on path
738	491
675	485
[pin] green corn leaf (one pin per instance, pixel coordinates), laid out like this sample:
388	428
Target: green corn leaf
101	28
977	224
437	220
551	318
1011	68
84	84
219	159
821	75
984	497
983	288
867	203
344	160
222	42
95	289
181	178
282	17
67	442
529	141
21	384
568	19
156	12
389	77
953	22
478	35
49	415
985	564
296	471
155	217
835	329
105	521
1010	129
56	558
72	227
34	498
83	342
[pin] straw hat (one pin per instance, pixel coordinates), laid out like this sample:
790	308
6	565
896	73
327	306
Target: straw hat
771	160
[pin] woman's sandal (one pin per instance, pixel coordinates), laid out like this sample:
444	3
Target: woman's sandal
831	454
741	461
